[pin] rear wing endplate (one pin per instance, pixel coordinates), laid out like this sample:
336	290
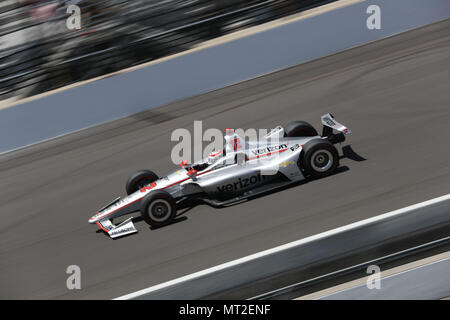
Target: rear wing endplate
330	124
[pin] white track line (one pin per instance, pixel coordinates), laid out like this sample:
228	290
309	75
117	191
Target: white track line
283	247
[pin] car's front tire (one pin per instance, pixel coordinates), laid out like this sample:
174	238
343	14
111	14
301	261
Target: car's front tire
158	208
139	179
319	158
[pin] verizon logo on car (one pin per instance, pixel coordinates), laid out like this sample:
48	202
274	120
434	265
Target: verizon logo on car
241	183
269	149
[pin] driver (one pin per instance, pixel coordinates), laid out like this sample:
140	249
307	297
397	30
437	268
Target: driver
212	158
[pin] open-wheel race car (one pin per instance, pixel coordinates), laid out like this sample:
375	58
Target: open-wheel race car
241	170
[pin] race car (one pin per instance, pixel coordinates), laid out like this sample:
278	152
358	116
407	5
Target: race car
242	169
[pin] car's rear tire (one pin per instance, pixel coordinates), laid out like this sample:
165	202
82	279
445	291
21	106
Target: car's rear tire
139	179
319	158
158	208
300	129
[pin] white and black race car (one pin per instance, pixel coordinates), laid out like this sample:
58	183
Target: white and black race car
241	170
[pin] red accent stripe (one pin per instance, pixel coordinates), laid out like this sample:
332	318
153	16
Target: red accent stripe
266	154
101	227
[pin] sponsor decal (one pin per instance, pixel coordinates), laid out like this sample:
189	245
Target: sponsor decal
286	163
269	149
241	183
120	231
150	187
295	147
329	121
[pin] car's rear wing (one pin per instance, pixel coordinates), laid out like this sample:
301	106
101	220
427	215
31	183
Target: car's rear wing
330	124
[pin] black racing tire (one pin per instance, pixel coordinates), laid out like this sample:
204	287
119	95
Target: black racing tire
318	159
300	129
158	208
139	179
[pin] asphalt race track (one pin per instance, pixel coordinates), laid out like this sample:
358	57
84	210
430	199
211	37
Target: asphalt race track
394	94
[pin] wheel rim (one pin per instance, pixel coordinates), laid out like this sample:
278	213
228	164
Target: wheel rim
321	160
159	210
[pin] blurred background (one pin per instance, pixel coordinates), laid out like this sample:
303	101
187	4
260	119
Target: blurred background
38	52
